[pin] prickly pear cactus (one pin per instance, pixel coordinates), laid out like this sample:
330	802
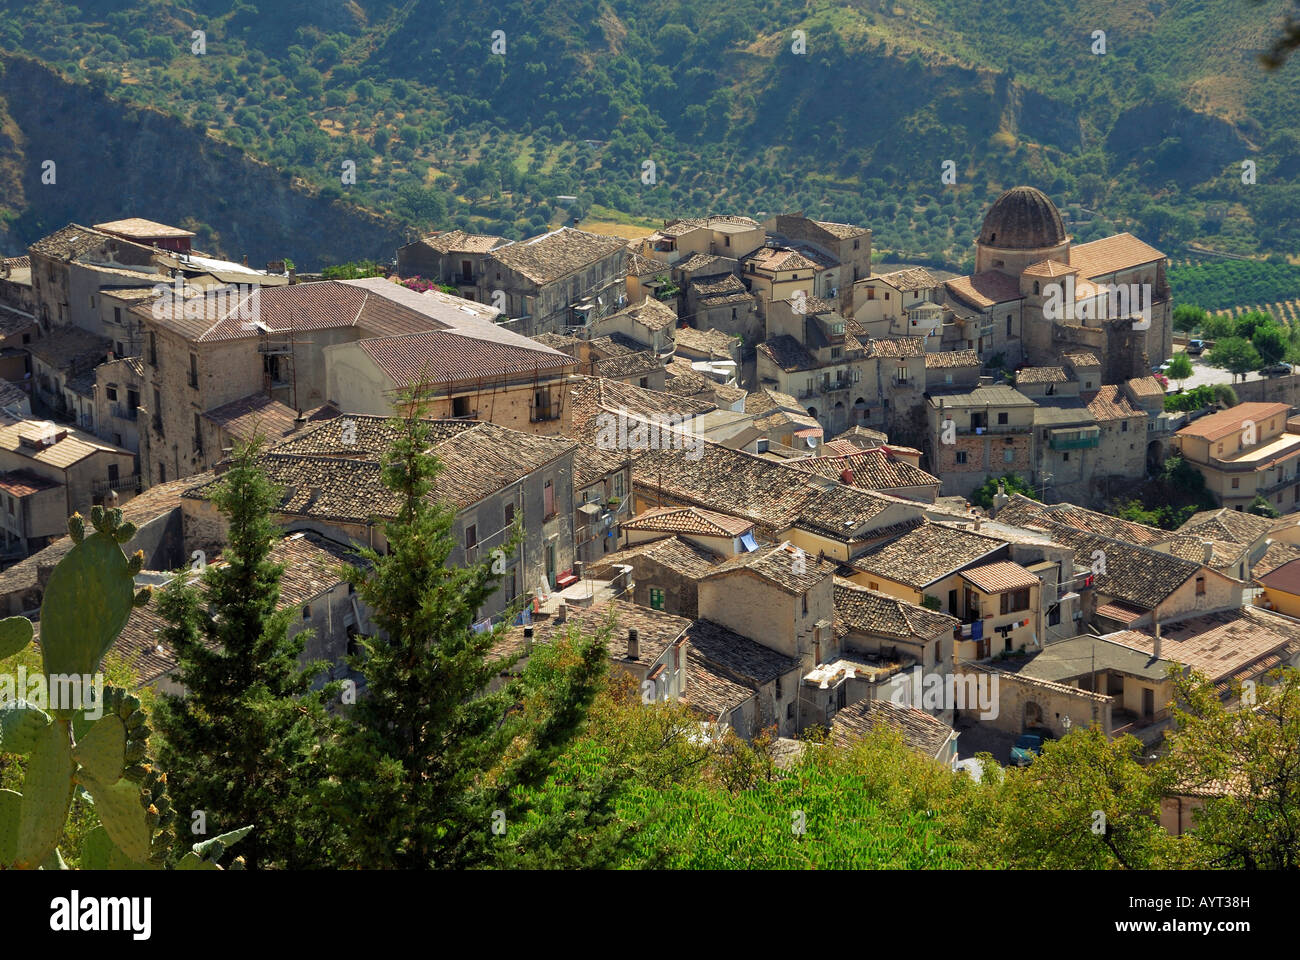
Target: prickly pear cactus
86	605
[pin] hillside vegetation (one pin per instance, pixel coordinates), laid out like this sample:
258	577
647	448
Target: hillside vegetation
1149	137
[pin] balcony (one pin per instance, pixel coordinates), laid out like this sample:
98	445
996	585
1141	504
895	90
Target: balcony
1084	439
126	484
996	429
835	385
124	412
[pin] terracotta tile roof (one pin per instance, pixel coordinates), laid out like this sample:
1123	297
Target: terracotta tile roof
1219	425
688	561
638	364
788	354
985	289
912	278
141	229
1049	268
714	292
590	464
926	554
948	359
1109	254
23	483
1120	612
368	437
68	347
782	564
1041	375
1000	577
1136	575
551	256
698	265
1081	359
347	485
778	258
458	241
68	243
711	692
311	565
1236	526
896	347
774	495
1277	554
75	445
684	225
1145	387
258	413
704	341
735	657
588	397
842	231
1022	511
614	345
860	610
689	520
439	356
869	469
656	630
1237	643
1224	555
557	341
920	731
996	395
1284	577
1112	403
686	383
649	313
640	266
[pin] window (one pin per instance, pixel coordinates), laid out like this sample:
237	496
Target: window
1008	325
855	244
1220	448
548	494
111	392
871	293
656	598
778	688
1002	418
1236	482
1123	427
117	315
961	456
618	485
872	585
471	536
804	598
1065	457
153	349
306	613
1014	601
194	370
836	352
1035	288
112	473
1009	456
11	505
726	241
1200	586
162	473
157	412
198	433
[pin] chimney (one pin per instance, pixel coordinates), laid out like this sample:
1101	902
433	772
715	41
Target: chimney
577	569
634	644
561	612
1207	552
978	520
293	274
528	639
1155	650
315	494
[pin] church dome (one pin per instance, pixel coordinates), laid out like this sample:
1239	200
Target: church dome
1023	219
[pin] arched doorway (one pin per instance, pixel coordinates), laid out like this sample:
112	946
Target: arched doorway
1033	715
1155	456
860	411
812	412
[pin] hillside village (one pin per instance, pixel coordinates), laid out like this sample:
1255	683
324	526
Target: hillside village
780	524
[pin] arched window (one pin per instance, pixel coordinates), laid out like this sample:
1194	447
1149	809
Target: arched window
1035	288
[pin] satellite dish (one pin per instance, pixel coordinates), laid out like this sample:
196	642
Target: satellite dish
812	442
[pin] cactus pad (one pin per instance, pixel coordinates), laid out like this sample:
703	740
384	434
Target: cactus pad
102	751
122	813
15	634
86	605
47	792
19	725
11	805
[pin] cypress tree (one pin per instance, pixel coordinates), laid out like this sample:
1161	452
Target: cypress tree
243	744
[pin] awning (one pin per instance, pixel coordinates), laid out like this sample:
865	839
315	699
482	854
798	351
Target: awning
747	540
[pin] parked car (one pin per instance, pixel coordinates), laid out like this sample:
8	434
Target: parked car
1195	347
1277	370
1028	745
